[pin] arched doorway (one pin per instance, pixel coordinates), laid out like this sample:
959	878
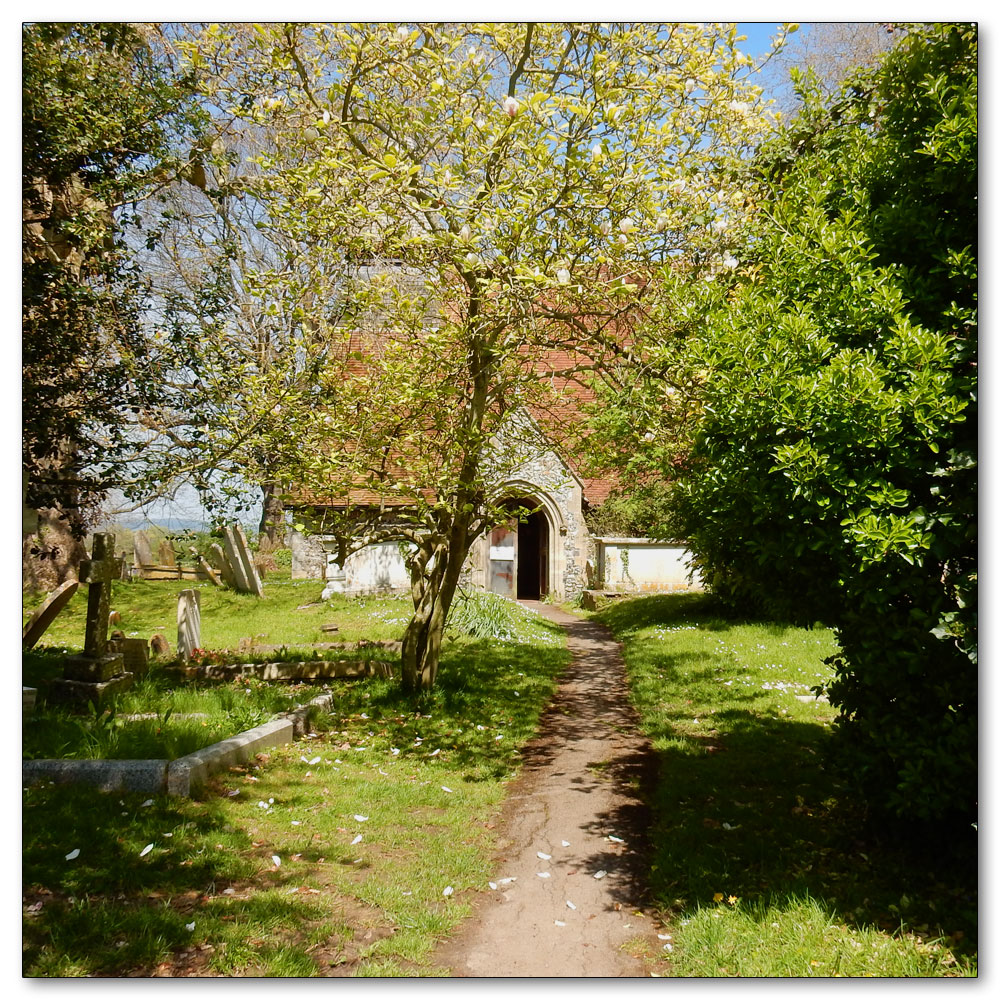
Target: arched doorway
519	553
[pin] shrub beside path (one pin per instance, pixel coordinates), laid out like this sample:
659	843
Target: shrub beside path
577	801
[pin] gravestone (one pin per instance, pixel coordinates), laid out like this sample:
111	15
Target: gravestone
96	664
243	547
188	623
167	557
135	653
96	672
235	560
142	549
159	646
221	563
205	568
46	613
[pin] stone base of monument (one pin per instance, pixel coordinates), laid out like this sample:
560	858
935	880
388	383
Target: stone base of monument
82	692
93	669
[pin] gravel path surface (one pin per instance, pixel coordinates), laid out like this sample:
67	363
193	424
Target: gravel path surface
572	814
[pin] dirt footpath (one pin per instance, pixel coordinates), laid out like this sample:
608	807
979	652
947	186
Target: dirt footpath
572	814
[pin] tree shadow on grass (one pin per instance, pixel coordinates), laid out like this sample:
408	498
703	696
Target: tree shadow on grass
754	808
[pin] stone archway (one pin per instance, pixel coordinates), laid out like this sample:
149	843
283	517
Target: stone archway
523	552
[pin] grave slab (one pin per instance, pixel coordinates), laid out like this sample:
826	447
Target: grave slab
142	549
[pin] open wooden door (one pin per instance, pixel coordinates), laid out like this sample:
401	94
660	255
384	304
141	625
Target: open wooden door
503	560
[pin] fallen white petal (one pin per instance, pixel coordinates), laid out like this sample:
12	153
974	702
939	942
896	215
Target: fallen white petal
315	760
145	850
234	793
560	923
357	839
572	906
565	843
445	788
229	892
434	753
148	802
75	853
544	856
360	819
189	927
600	874
664	937
492	885
543	874
616	840
296	822
276	860
448	890
504	881
668	947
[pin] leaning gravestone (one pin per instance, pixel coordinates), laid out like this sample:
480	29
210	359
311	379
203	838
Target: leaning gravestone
243	547
247	579
167	557
188	623
142	549
97	672
46	613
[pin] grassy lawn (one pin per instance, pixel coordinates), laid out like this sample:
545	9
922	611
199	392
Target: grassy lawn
349	853
763	865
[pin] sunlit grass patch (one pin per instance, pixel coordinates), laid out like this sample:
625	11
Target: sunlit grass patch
425	779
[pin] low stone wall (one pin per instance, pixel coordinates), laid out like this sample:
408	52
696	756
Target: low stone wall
641	565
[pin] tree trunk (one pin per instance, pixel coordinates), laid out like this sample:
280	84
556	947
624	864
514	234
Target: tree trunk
434	575
272	520
51	554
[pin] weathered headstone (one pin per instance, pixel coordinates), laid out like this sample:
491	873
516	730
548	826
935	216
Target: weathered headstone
188	623
205	568
218	560
46	613
96	664
135	653
142	549
235	559
159	646
167	557
96	672
243	547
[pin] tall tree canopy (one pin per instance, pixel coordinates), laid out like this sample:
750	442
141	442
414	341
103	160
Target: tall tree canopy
475	195
103	113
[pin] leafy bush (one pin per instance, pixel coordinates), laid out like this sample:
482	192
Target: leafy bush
832	471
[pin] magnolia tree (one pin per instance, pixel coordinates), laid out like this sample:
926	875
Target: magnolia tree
487	193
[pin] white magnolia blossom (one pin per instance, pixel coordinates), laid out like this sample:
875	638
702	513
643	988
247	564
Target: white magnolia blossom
466	233
402	33
598	150
622	238
472	259
661	223
326	117
511	106
605	227
480	123
740	107
730	262
626	225
311	133
689	85
562	276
